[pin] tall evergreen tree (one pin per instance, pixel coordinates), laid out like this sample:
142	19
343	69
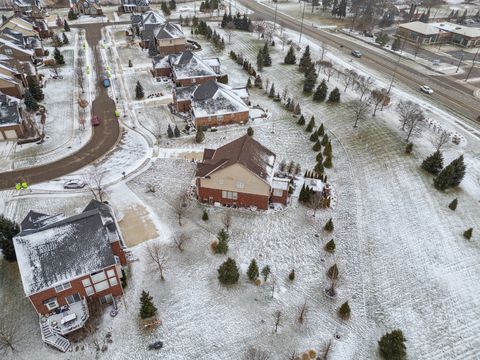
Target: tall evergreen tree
333	272
314	136
228	272
66	27
30	102
290	58
306	60
57	55
249	84
434	163
65	39
8	229
452	175
139	93
200	135
176	131
334	96
311	124
344	311
147	308
301	121
330	246
252	271
328	162
260	62
329	225
222	247
392	346
35	88
342	9
325	140
321	92
328	149
319	169
453	204
267	60
310	79
317	147
265	272
321	130
170	131
258	82
272	91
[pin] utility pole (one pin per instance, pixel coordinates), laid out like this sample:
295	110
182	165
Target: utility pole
473	63
395	69
460	62
301	25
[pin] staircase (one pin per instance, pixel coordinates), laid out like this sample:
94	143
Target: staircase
52	338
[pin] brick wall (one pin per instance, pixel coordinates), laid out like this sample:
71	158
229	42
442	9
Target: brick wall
280	199
15	91
195	81
171	49
183	105
208	195
77	287
118	251
239	117
166	72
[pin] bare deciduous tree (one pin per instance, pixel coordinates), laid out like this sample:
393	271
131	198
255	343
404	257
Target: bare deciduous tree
328	69
326	352
229	28
9	333
181	240
94	181
227	219
302	315
316	202
440	139
257	354
157	257
323	49
364	85
377	96
411	117
277	318
359	109
180	206
349	78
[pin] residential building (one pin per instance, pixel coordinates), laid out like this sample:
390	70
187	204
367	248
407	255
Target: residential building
17	52
439	33
137	6
29	8
240	174
68	262
144	24
23	34
11	123
11	86
87	7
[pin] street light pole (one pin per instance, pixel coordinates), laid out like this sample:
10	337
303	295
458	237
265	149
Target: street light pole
301	25
460	62
395	69
473	63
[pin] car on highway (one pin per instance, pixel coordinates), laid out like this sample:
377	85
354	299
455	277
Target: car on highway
74	184
95	121
356	53
426	89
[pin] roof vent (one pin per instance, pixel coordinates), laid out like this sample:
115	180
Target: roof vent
458	28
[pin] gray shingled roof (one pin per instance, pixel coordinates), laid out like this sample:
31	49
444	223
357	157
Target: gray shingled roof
53	250
205	91
8	111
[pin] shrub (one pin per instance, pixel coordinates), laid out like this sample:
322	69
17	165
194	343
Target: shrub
228	272
291	276
205	215
409	148
250	131
344	311
252	271
329	225
468	233
330	246
222	246
453	204
214	245
258	282
392	346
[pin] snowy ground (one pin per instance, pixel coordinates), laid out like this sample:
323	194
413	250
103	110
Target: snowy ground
403	261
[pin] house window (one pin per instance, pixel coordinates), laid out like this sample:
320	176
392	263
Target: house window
169	41
98	276
101	286
51	303
106	299
62	287
221	181
113	281
89	290
8	52
240	185
72	299
110	273
229	195
277	192
86	282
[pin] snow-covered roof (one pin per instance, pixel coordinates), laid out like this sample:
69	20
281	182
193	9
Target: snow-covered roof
213	98
169	30
184	92
213	62
16	47
52	250
18	23
152	17
435	28
161	62
8	111
242	92
281	184
245	151
420	27
188	65
315	184
28	3
135	2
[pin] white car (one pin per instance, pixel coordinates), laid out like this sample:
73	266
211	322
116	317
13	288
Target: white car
426	89
74	184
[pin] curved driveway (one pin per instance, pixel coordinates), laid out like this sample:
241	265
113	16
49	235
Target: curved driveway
104	137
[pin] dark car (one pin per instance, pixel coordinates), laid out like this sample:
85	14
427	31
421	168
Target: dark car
157	345
357	53
95	121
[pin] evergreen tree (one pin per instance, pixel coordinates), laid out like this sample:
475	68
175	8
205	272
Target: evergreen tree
147	308
250	131
468	233
329	225
453	204
342	9
265	272
332	272
290	58
176	131
409	148
267	60
325	140
249	83
306	60
330	246
65	39
35	88
321	92
139	93
319	168
321	130
291	276
72	15
319	157
314	136
170	132
200	135
310	125
392	346
222	247
252	271
205	215
260	63
30	102
334	96
297	110
8	229
317	147
452	175
434	163
310	79
328	162
258	82
344	311
130	63
328	149
272	91
57	55
228	272
301	121
66	27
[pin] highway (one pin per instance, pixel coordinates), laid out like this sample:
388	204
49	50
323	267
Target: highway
448	92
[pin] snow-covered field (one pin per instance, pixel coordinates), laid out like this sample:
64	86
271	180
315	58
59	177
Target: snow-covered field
402	258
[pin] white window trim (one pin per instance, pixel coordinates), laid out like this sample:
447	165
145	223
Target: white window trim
113	281
64	286
277	192
52	301
101	286
89	290
240	185
86	282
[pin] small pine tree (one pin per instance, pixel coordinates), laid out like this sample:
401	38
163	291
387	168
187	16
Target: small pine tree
272	91
434	163
176	131
392	346
321	92
314	136
35	88
258	82
205	215
328	149
319	168
328	162
57	55
468	233
147	308
139	93
170	132
228	272
267	60
249	83
330	246
321	130
310	79
344	311
334	96
329	225
291	276
453	204
409	148
130	63
8	229
260	61
200	135
317	146
459	172
66	27
306	60
332	272
265	272
290	58
297	110
250	131
65	39
319	157
222	247
30	102
311	125
252	271
301	121
325	140
72	15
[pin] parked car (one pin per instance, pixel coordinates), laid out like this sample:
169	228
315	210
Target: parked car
95	121
106	82
157	345
426	89
356	53
74	184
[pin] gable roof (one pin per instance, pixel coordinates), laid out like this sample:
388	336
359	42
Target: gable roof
54	249
16	47
245	151
189	65
152	17
8	111
169	30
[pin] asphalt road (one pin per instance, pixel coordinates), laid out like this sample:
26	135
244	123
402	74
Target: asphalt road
104	137
448	92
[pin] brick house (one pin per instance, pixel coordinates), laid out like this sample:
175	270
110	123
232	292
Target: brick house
29	8
10	49
66	263
86	7
11	86
143	25
169	38
137	6
12	126
23	34
240	174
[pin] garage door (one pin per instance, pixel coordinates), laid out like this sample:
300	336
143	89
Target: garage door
10	134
